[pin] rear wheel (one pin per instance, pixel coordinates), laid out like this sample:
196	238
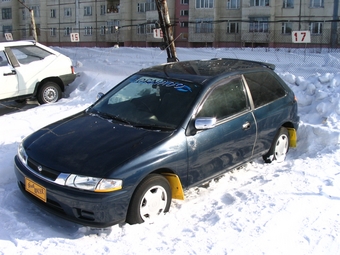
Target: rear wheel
49	92
279	147
152	197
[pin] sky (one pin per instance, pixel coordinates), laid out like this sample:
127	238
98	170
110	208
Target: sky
280	208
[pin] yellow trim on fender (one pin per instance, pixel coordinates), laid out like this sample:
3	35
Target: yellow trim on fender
293	137
176	186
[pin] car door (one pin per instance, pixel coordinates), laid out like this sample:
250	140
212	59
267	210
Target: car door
231	141
8	78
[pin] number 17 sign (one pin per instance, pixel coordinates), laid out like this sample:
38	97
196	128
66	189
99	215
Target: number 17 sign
301	36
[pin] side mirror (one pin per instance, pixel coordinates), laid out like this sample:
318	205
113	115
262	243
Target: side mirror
100	95
205	123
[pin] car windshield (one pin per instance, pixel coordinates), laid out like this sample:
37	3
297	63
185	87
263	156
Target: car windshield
148	102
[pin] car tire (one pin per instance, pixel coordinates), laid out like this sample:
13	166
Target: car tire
151	198
279	147
49	92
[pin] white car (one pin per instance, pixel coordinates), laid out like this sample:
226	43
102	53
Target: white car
31	70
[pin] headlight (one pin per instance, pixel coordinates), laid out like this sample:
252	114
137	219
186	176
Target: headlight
22	153
93	183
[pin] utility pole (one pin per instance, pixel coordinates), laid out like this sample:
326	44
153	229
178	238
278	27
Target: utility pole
35	36
164	19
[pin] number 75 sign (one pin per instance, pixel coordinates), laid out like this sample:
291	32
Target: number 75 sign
301	36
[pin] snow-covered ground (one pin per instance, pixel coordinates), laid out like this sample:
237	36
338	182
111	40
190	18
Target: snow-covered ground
281	208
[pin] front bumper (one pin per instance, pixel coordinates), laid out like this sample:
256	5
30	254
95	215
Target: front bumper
68	78
83	207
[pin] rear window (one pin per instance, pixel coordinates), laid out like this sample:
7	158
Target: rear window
28	54
264	88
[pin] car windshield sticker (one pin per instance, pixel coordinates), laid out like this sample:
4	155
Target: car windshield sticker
166	83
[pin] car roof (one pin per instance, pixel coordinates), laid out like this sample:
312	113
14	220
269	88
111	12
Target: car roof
200	71
15	43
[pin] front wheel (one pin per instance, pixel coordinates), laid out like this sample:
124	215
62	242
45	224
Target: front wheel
151	198
279	148
49	92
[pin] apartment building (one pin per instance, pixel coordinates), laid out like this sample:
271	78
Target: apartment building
196	23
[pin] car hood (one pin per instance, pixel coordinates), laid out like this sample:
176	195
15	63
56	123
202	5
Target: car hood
89	145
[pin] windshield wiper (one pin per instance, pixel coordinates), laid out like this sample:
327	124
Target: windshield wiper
113	117
155	127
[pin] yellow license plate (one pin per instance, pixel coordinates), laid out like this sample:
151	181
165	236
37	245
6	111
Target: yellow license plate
35	189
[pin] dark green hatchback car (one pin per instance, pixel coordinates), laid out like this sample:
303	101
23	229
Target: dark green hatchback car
163	129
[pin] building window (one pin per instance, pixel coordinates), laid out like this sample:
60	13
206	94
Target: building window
37	29
204	4
6	13
67	31
288	4
102	10
258	25
141	7
36	10
315	28
112	25
184	12
184	1
53	13
316	3
141	29
287	28
151	26
88	11
259	2
67	12
88	30
53	31
184	24
102	30
204	26
232	27
233	4
6	29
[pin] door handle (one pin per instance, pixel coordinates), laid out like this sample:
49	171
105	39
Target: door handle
11	73
246	125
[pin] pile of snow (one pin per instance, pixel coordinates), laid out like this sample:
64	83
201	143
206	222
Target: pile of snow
280	208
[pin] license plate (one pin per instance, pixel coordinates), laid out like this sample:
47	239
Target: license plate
35	189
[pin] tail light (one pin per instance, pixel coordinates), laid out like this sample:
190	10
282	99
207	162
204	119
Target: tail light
72	70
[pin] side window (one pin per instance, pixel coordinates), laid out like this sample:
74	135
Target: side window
3	59
225	100
264	87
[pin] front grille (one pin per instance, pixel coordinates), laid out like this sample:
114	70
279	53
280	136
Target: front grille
44	171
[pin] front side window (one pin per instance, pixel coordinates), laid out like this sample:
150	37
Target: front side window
204	4
264	88
225	100
259	2
3	59
258	25
233	4
148	102
6	13
288	4
316	3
